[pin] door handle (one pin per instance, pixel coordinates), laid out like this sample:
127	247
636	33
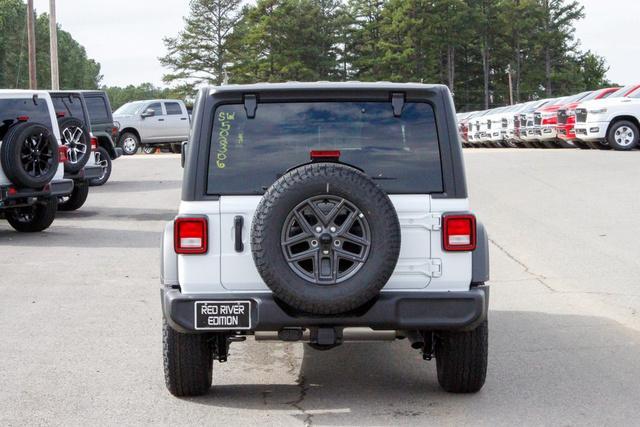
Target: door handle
184	118
239	224
161	120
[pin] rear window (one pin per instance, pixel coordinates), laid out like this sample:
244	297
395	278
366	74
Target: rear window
11	109
97	109
400	153
71	106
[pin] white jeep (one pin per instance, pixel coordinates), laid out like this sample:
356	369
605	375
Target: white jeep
324	213
31	160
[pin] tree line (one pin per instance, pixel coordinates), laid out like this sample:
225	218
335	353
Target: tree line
470	45
77	70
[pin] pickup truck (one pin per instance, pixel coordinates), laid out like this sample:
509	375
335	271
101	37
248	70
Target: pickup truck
152	123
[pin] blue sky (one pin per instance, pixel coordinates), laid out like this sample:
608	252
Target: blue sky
126	36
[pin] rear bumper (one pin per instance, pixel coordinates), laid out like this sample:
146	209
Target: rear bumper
390	311
11	196
86	174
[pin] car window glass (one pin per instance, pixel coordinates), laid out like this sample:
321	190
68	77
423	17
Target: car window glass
98	112
157	107
173	108
11	109
70	106
248	155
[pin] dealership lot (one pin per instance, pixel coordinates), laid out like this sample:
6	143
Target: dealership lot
80	315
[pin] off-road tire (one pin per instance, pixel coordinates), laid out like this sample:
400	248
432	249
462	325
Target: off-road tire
129	151
331	179
85	140
76	199
43	214
611	135
11	155
188	362
461	359
103	157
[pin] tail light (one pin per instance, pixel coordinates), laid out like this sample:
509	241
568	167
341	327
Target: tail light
114	132
60	114
62	153
94	143
325	155
23	119
190	235
459	233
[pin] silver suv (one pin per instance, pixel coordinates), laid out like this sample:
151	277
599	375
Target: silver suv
324	213
152	123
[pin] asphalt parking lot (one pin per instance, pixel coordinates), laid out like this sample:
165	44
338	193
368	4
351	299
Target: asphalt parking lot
80	320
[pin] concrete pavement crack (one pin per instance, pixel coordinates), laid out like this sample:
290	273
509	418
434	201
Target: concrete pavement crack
538	277
303	388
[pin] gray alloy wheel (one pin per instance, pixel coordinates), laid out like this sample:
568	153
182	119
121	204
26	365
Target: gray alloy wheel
149	149
326	240
104	161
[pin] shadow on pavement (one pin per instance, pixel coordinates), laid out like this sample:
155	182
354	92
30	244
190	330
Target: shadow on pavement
543	368
126	214
83	237
136	186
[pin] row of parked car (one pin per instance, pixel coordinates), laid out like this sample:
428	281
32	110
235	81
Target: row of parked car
54	145
599	119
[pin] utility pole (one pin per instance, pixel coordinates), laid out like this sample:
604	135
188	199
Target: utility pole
53	37
31	41
510	85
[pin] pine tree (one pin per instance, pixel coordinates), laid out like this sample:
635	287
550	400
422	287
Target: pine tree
199	54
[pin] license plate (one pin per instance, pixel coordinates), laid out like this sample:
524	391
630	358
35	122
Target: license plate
222	315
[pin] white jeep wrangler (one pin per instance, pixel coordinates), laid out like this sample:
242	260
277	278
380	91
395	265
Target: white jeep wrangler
324	213
31	160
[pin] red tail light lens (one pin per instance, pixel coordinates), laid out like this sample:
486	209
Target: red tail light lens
94	143
23	119
60	114
190	235
62	153
325	155
459	233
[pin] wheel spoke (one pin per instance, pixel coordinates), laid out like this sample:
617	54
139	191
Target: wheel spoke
348	223
318	213
308	254
302	221
350	255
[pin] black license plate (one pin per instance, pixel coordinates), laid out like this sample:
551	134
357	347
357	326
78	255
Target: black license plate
223	315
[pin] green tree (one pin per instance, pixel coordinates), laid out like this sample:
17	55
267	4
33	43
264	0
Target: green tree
77	70
199	54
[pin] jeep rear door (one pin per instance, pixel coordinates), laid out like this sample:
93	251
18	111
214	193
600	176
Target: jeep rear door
401	154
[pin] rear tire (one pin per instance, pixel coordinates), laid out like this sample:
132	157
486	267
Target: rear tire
188	362
29	155
461	359
33	219
149	149
76	199
76	137
104	161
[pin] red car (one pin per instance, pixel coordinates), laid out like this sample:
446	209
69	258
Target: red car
567	114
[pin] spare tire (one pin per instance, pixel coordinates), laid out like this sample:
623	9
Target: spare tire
29	155
325	238
77	139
